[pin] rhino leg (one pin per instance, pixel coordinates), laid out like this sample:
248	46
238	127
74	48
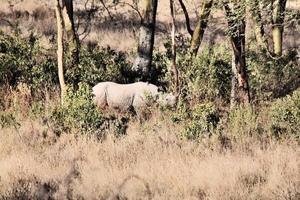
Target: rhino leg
101	100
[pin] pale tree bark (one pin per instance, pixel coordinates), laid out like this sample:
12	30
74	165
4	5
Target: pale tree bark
60	49
143	60
278	13
174	67
72	38
201	26
240	92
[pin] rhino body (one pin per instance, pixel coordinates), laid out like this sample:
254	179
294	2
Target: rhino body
125	97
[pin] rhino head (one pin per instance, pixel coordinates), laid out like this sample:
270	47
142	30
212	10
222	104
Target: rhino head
167	99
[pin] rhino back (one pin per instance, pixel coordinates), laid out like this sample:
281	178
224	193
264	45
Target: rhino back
119	96
144	94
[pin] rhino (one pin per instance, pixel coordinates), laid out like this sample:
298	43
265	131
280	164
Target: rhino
126	97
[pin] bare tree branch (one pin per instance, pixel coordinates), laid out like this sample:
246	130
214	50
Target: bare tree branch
134	8
107	10
187	18
87	25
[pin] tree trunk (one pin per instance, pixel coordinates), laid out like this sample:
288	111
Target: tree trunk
72	39
233	93
259	28
174	67
187	18
240	93
60	49
278	14
201	26
143	60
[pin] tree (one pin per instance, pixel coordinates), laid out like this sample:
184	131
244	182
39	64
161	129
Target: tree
240	93
276	9
255	11
174	67
72	39
60	49
278	13
198	33
65	24
143	60
201	26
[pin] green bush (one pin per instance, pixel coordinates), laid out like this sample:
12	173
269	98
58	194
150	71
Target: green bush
285	115
8	119
100	64
202	121
22	61
272	78
78	113
243	121
206	76
158	74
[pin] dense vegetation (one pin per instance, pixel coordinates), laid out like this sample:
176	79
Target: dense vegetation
204	102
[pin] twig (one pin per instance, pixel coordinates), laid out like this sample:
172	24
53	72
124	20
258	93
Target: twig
107	10
134	8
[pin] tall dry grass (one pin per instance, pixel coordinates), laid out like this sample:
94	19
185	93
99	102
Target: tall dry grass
151	162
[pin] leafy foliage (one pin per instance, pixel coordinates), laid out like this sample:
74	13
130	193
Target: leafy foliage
206	76
243	121
271	78
78	112
23	61
285	115
199	121
100	64
8	119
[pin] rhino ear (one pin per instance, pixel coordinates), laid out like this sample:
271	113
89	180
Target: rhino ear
160	89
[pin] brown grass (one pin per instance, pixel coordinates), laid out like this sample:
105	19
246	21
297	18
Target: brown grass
151	162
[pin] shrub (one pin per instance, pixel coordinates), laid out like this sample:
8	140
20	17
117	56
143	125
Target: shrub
272	78
78	113
285	115
243	121
100	64
22	61
206	76
159	73
202	121
8	119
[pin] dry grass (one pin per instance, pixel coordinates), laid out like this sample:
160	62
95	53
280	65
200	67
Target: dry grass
149	163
